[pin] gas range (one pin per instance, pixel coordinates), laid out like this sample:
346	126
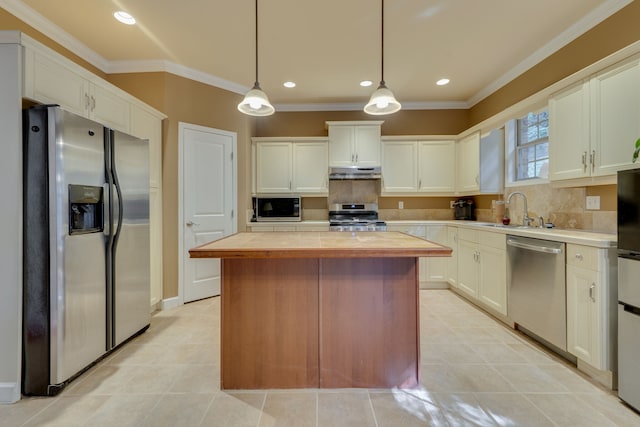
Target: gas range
355	217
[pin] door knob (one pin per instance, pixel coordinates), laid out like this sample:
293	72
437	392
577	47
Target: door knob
190	223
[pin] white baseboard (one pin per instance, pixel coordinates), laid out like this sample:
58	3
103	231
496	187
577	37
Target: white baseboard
170	303
434	285
9	392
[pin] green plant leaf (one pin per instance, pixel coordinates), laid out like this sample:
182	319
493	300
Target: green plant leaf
636	153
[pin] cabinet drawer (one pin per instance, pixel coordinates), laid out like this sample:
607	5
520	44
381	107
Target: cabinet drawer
493	240
468	234
583	256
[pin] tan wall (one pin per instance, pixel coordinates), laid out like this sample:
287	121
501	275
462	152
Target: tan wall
404	122
616	32
184	100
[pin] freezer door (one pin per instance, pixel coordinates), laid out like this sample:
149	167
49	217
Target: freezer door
628	350
628	284
131	287
77	285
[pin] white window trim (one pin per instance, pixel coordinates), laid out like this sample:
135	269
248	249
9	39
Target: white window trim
511	132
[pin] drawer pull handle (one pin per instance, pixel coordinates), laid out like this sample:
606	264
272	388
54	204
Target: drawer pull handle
591	288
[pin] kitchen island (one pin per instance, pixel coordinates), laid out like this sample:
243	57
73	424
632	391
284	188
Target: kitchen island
319	309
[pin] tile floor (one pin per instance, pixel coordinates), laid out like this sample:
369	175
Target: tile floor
475	372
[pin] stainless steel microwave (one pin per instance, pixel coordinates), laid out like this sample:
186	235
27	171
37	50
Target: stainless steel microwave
277	208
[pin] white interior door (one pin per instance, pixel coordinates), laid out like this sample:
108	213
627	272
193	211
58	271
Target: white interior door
208	203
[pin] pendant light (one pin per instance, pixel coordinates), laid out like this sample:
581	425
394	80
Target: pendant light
382	100
256	102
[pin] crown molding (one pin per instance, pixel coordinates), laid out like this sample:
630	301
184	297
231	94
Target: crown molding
39	22
23	12
570	34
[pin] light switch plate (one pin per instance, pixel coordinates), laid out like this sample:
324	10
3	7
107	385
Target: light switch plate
400	204
593	202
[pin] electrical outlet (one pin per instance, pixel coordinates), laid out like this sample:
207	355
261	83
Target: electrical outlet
400	204
593	202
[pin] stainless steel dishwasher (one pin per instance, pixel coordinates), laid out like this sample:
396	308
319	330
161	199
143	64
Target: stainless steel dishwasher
537	291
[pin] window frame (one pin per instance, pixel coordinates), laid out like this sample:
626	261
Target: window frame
511	148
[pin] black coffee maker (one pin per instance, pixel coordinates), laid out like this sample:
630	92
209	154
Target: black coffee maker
465	209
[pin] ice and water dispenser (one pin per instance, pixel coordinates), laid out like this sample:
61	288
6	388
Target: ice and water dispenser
86	212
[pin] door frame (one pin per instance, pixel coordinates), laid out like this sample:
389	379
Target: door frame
182	126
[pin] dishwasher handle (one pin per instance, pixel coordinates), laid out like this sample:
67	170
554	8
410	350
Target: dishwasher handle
537	248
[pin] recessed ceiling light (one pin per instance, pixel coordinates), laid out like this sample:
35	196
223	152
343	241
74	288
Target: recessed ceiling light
289	84
366	83
124	17
442	82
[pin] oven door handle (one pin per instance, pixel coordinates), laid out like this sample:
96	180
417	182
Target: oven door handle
535	248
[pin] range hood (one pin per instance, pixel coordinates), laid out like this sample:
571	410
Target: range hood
355	172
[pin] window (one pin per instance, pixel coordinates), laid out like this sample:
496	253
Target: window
532	146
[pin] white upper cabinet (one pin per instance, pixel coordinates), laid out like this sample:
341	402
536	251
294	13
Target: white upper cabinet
273	167
399	166
569	136
291	165
310	167
51	79
436	166
468	164
354	143
593	125
410	166
146	125
615	118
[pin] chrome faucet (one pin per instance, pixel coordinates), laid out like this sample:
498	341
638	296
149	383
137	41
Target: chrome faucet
526	219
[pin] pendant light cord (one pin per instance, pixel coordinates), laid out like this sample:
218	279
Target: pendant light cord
382	43
256	84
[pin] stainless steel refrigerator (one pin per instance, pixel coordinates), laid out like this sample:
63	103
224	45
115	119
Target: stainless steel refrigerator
86	245
629	286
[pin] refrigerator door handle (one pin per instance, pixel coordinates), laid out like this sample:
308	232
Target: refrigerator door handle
106	228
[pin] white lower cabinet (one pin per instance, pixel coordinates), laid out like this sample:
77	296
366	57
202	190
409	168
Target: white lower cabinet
589	297
255	227
482	268
436	267
452	262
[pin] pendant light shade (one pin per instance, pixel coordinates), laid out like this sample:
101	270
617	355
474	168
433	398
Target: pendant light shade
382	100
256	102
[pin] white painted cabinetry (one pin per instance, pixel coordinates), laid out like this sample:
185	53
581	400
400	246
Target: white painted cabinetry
468	163
354	143
264	227
589	300
436	267
53	79
593	125
452	262
294	165
482	268
418	166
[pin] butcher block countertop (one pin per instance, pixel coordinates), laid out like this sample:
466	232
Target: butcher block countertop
310	244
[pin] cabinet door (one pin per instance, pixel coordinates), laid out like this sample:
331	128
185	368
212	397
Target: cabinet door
50	82
399	166
155	242
436	166
569	144
468	163
310	167
583	315
468	267
147	126
615	114
109	108
452	262
367	145
273	167
341	149
492	289
437	266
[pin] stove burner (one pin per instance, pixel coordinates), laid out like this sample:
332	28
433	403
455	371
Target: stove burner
355	217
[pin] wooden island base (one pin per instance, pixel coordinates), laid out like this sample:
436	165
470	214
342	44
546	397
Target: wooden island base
320	309
320	322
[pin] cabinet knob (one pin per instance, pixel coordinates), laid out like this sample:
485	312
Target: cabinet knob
579	256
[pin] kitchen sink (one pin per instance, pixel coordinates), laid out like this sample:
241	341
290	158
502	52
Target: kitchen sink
507	226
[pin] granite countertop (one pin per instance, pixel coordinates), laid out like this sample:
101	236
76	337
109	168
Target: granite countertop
321	244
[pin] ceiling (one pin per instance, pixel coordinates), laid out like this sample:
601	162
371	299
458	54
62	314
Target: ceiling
327	47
